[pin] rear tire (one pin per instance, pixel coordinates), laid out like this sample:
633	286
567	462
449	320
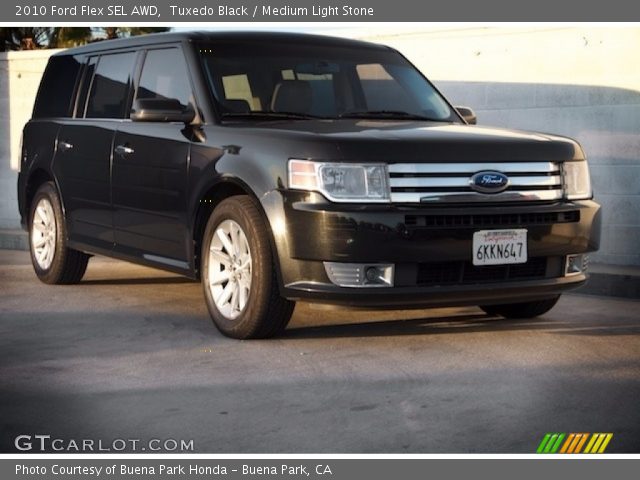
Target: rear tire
53	261
522	310
239	275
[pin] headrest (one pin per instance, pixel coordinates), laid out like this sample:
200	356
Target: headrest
292	96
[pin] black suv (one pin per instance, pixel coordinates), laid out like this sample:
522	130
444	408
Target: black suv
278	167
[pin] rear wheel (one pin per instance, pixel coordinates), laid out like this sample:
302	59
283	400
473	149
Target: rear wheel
52	260
522	310
238	273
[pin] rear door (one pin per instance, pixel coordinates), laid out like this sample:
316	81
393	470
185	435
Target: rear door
149	177
83	156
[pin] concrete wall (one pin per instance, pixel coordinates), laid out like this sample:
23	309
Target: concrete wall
20	74
580	82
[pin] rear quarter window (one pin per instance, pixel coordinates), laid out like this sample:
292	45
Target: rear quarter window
55	95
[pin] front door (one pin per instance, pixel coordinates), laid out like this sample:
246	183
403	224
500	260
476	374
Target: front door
150	169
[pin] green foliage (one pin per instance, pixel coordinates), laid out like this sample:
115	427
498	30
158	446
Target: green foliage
31	38
119	32
23	38
65	37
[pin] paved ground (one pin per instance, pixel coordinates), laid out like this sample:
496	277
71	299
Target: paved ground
131	353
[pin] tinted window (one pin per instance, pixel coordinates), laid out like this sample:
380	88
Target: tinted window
84	88
164	75
110	86
321	80
237	92
380	89
57	87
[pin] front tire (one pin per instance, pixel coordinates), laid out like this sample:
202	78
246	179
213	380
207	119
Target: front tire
238	273
53	261
522	310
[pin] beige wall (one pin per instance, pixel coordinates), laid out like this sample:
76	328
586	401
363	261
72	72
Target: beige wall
583	82
579	81
20	74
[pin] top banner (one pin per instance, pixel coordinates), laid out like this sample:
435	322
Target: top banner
203	11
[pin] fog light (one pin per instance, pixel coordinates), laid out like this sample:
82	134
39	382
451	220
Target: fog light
360	274
372	274
576	264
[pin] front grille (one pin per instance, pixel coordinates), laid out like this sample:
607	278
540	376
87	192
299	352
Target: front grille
492	220
465	273
450	182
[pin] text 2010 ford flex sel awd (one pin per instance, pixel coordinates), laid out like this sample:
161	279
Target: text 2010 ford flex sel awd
279	167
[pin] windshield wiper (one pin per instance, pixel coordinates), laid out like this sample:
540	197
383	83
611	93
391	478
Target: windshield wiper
268	114
389	114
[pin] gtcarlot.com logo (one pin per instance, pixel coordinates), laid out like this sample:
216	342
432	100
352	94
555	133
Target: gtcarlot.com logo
574	443
45	443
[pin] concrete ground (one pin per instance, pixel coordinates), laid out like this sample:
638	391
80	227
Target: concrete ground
130	353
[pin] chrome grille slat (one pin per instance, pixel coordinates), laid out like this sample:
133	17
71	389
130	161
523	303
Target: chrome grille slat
470	168
457	197
463	181
450	182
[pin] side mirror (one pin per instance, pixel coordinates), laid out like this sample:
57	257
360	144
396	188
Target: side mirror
161	110
468	115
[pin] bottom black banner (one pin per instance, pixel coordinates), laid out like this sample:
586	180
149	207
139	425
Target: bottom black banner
316	468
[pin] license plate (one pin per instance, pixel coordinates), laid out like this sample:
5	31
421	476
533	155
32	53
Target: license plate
499	247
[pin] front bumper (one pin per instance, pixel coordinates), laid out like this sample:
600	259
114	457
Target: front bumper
420	240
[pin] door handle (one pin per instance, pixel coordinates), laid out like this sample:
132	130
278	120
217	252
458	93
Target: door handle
124	150
65	146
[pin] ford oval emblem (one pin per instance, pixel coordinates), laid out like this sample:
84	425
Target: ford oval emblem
489	182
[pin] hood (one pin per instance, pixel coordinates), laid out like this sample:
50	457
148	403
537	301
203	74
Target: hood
401	141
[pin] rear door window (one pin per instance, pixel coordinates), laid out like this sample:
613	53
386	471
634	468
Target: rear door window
110	86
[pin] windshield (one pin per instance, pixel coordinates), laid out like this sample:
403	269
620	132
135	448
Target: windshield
306	81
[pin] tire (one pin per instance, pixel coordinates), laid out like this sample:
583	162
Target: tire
53	261
241	287
522	310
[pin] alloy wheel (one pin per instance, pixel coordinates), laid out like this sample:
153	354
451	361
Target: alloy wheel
230	269
43	233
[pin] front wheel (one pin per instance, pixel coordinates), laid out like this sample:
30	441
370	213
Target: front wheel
522	310
238	273
53	261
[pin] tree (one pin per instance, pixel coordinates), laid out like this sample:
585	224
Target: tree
31	38
23	38
119	32
64	37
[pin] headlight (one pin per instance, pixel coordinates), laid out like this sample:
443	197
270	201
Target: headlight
577	181
341	182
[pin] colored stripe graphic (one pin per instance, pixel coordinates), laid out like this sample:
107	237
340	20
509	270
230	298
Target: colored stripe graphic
556	445
550	443
605	443
594	437
574	443
581	443
565	447
598	443
543	443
